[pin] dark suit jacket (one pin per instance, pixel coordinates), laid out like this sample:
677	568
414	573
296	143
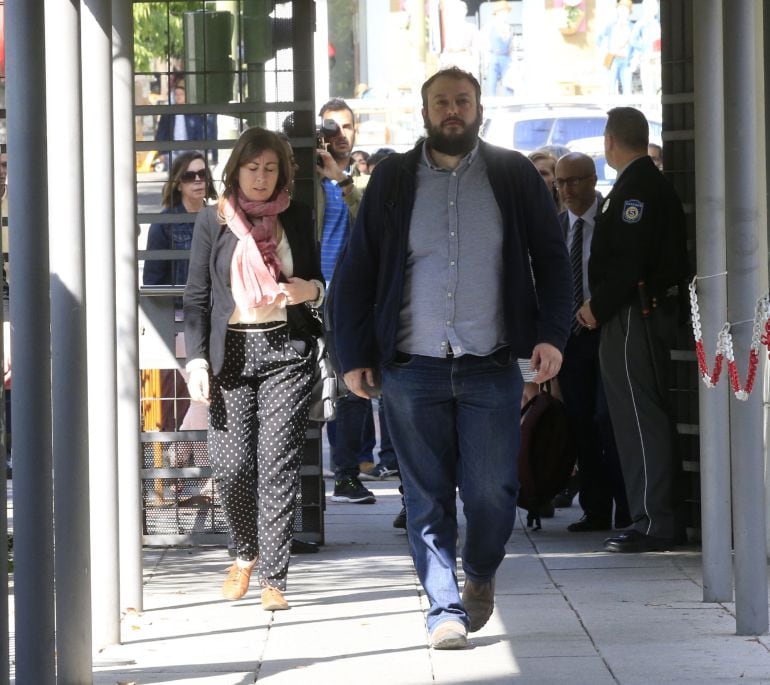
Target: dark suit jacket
208	298
199	127
564	216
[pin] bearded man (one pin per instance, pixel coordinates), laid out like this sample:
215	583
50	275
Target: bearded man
436	291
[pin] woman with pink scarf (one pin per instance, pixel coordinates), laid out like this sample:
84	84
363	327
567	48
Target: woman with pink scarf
254	279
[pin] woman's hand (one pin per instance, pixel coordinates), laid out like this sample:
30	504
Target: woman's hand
298	290
198	385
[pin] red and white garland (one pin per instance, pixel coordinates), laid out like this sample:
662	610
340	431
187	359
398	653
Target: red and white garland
724	348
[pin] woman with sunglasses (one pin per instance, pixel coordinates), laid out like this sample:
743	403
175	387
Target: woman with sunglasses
250	329
188	187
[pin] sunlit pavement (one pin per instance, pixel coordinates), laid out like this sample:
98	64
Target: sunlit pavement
566	611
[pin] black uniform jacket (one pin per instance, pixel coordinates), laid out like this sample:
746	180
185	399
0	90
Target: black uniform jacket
639	236
208	298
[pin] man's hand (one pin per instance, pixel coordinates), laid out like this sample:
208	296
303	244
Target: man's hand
585	316
546	360
330	169
355	380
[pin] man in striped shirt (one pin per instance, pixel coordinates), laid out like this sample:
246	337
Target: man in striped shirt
351	435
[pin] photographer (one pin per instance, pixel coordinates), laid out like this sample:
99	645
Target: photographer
351	436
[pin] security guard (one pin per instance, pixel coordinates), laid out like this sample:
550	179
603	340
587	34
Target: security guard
638	258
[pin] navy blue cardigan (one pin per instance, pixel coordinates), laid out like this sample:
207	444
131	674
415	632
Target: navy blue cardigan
370	275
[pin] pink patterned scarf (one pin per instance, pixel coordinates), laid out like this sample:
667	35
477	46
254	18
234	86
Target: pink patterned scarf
255	265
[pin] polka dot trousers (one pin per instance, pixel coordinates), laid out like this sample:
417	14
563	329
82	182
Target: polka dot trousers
257	423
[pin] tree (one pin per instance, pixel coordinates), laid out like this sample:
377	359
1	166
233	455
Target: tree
158	32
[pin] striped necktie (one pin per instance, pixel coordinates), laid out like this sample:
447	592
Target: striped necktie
576	257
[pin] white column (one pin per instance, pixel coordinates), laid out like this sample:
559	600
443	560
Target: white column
716	523
126	308
746	281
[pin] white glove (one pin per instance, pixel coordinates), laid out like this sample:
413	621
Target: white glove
198	385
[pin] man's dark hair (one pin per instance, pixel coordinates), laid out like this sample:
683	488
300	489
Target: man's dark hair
455	73
629	127
336	105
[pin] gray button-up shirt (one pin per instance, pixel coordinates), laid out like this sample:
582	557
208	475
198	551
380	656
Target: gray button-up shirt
452	295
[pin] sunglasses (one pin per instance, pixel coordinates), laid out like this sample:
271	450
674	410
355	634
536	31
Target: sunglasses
192	176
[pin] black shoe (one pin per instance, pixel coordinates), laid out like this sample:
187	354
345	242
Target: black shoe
400	520
303	547
587	524
351	490
632	541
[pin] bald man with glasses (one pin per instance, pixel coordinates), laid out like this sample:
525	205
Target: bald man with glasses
599	475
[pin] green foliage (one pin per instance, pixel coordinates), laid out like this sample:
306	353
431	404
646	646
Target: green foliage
158	32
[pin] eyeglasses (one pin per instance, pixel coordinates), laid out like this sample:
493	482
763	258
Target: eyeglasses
192	176
572	181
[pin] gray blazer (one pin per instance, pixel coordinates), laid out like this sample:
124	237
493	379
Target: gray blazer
208	298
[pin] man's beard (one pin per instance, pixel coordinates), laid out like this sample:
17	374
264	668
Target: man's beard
338	155
456	143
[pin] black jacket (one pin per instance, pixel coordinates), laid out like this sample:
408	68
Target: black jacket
208	298
639	235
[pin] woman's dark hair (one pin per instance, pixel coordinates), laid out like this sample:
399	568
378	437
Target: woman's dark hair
253	142
171	195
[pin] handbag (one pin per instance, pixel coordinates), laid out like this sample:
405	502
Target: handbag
325	390
327	385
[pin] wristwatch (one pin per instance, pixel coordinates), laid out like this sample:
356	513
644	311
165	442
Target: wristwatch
347	181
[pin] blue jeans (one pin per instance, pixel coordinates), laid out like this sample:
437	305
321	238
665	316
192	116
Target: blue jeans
387	454
455	422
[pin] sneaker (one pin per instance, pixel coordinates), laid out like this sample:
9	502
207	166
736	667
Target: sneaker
449	635
479	601
351	490
378	472
400	520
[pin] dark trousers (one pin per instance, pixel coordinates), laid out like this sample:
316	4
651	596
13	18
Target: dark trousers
630	352
599	473
351	435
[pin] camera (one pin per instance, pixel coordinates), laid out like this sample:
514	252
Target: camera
329	129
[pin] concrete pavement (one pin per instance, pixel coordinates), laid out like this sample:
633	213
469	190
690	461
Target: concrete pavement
566	612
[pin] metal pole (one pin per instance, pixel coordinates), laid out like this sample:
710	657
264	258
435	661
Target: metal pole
5	668
710	231
127	288
31	345
746	281
69	372
96	42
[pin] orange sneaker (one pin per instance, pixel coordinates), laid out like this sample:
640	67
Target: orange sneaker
237	582
273	600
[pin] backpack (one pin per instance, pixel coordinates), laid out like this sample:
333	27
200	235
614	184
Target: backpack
546	457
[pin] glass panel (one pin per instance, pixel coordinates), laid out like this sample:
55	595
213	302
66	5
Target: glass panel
573	128
531	134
